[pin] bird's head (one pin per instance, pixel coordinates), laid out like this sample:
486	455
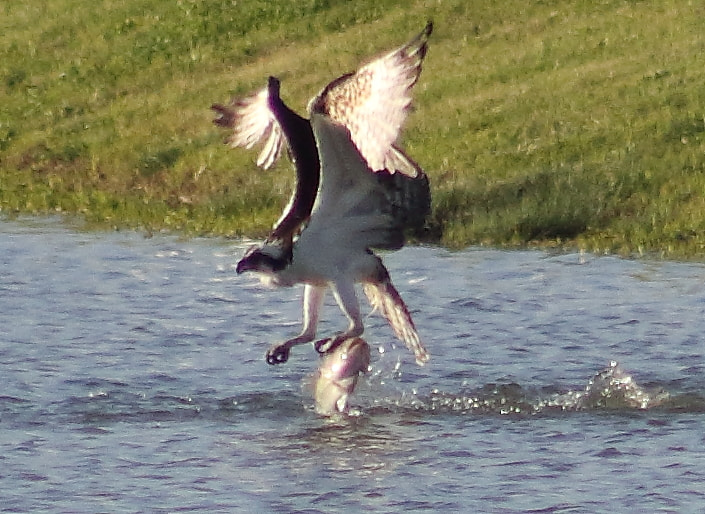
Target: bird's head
268	259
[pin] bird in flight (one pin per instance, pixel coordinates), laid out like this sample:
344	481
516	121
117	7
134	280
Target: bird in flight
356	191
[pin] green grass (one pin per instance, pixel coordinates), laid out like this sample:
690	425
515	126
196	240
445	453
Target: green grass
576	124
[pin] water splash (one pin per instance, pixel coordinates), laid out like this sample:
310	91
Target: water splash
611	388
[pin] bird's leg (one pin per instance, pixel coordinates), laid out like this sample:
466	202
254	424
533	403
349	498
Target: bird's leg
347	300
313	299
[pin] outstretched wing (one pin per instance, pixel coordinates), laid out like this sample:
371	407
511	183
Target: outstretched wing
352	208
253	122
264	117
374	102
385	298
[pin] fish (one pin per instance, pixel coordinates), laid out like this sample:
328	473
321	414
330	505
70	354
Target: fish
338	374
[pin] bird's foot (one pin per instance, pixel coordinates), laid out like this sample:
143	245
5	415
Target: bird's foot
329	344
278	354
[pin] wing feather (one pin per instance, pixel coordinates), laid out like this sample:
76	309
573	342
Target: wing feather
253	122
263	118
352	207
374	101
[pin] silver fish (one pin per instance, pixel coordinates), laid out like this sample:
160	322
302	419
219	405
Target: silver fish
337	375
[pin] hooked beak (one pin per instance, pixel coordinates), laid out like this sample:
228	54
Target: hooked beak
260	260
244	264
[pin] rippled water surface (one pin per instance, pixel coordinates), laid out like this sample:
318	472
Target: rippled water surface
133	380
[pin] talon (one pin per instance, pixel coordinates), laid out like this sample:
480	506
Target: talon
321	345
277	355
327	345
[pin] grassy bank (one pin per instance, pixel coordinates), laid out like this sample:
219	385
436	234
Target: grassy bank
569	123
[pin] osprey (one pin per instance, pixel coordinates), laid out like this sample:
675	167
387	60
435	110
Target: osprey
355	191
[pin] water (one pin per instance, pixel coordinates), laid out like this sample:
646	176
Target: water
134	380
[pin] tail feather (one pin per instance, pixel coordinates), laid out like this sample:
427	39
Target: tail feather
384	297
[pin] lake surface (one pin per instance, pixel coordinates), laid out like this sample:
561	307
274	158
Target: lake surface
134	380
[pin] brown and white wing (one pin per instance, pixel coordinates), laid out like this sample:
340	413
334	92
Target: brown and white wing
374	102
253	122
352	208
385	298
